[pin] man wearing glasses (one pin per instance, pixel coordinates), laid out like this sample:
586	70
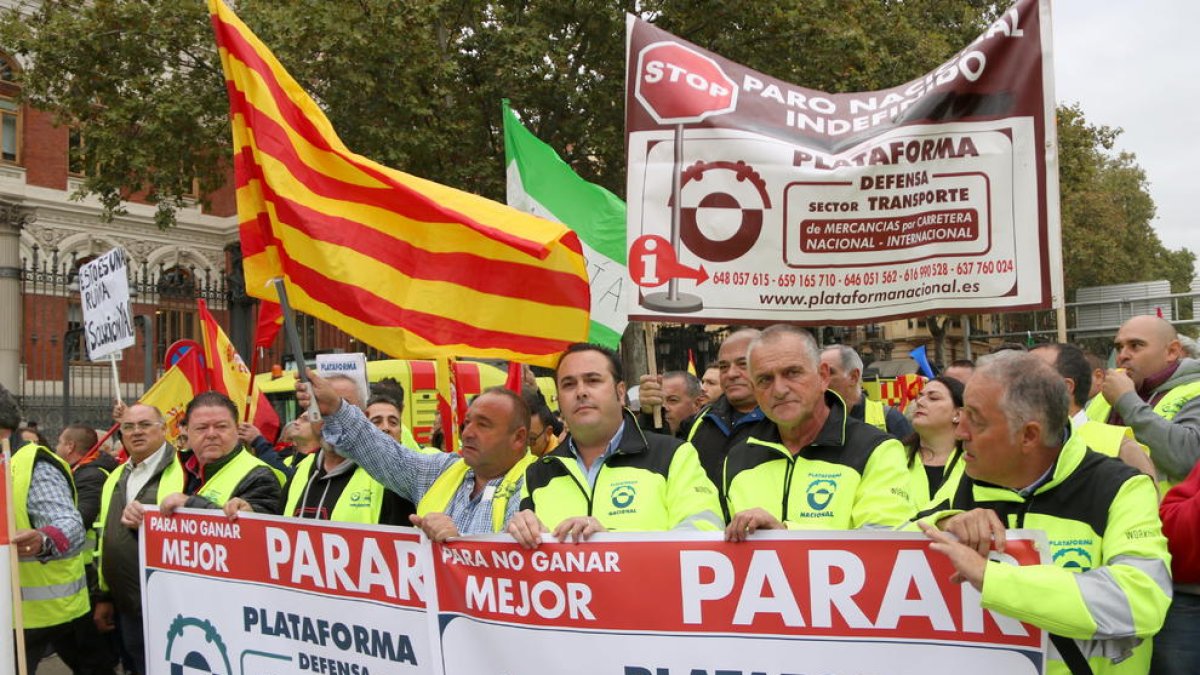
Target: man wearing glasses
119	605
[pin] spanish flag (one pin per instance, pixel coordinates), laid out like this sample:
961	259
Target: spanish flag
411	267
174	390
228	374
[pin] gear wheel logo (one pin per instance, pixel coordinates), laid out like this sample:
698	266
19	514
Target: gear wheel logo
194	647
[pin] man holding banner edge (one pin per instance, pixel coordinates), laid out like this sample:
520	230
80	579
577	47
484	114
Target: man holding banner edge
1108	590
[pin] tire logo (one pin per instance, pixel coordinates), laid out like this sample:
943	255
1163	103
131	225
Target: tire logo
718	202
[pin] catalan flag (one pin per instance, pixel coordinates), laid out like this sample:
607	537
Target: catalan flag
411	267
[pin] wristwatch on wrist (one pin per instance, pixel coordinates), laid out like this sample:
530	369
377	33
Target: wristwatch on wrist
47	551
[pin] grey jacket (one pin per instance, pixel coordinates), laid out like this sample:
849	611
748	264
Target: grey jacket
1174	444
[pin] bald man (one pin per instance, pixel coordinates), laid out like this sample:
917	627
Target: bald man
1155	390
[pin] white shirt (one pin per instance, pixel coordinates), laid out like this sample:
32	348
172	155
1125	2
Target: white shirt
1079	419
140	473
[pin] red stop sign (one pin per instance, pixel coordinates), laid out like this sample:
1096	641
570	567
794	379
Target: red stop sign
678	85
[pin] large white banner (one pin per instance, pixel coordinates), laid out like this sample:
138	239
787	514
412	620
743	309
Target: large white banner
269	595
275	596
833	603
104	290
753	199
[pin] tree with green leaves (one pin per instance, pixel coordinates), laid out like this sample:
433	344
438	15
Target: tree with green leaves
1107	212
416	84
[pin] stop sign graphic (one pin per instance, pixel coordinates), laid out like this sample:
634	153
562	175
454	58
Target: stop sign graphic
678	85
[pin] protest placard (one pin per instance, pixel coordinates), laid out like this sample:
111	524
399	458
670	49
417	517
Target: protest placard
754	199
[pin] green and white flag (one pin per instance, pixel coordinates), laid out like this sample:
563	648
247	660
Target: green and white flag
539	182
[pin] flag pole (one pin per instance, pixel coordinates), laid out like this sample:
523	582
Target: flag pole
253	374
293	338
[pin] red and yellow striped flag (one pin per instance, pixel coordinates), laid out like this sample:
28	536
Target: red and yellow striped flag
411	267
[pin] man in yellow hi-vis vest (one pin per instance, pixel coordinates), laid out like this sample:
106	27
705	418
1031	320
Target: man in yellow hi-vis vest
1106	591
49	540
472	493
217	471
326	485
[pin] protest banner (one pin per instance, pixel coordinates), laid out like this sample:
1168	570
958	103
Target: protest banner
269	595
669	604
753	199
104	291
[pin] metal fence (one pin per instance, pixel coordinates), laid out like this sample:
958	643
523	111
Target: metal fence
59	385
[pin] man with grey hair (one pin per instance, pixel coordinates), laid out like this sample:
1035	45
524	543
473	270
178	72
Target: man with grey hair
681	399
845	380
809	465
728	419
1108	588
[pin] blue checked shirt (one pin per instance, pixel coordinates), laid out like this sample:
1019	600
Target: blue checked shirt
409	473
51	504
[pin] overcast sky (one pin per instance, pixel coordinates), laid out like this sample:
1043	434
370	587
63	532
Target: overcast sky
1134	65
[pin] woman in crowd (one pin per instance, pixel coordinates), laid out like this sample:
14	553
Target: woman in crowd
933	452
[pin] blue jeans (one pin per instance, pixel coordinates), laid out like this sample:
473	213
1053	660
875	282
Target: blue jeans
1177	645
130	627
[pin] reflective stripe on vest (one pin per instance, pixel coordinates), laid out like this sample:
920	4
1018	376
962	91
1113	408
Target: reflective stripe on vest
219	487
52	592
361	500
437	497
874	414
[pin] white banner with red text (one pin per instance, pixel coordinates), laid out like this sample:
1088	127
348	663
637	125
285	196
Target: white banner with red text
665	604
272	596
753	199
268	595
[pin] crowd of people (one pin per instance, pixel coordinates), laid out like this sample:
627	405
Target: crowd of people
778	434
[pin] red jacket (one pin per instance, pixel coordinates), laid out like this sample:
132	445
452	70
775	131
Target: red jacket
1180	512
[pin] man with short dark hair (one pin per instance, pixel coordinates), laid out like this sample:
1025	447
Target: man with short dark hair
386	413
961	370
1106	591
710	382
456	495
217	471
89	470
1108	439
542	438
809	465
845	380
608	473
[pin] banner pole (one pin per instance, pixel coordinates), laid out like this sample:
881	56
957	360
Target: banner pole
652	365
9	526
116	375
293	338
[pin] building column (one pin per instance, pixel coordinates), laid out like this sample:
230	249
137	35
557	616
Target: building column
12	218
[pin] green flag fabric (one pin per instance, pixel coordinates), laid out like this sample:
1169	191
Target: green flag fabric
539	182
